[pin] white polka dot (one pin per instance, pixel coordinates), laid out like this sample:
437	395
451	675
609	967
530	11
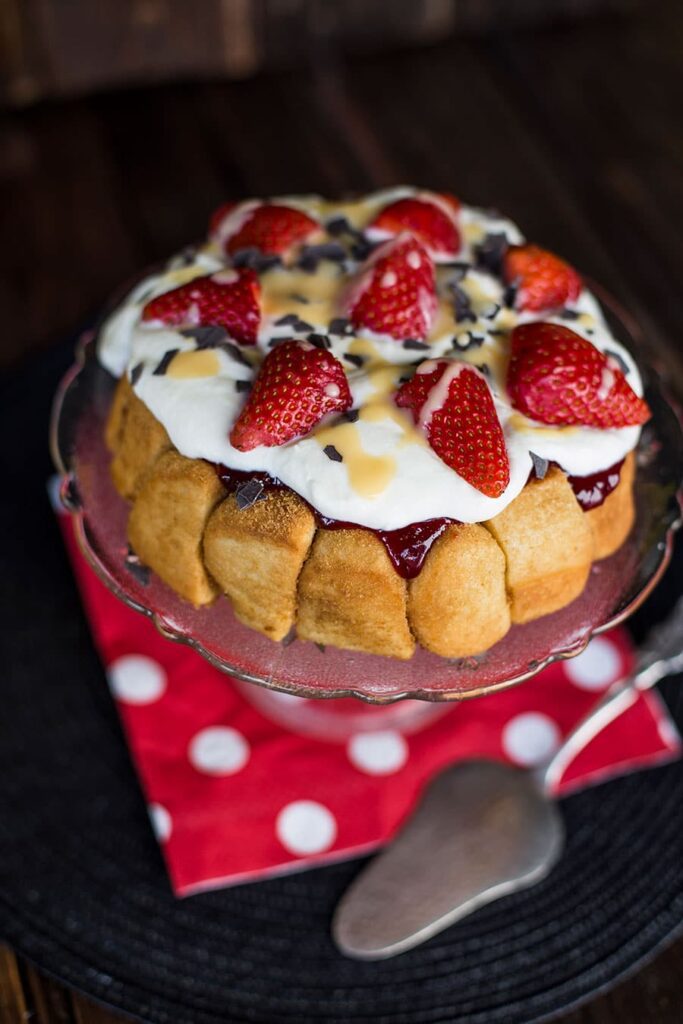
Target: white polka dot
596	667
136	679
530	738
378	753
306	827
219	750
161	822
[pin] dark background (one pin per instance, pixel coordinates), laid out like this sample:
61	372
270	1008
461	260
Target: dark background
124	125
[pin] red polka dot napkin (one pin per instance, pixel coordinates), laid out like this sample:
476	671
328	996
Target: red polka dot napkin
235	793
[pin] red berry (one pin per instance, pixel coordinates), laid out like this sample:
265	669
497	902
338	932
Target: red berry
428	221
555	376
228	299
396	292
271	228
296	386
452	403
543	280
219	215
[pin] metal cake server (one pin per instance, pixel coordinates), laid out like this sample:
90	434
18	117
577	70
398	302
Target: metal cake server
482	830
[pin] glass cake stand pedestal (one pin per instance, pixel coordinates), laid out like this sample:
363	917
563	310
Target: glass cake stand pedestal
616	586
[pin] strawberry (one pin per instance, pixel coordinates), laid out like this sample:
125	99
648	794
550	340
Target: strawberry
555	376
219	215
543	280
428	221
452	403
295	387
272	229
228	299
452	201
396	292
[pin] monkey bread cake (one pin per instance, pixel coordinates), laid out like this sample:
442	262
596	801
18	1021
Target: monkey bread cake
372	424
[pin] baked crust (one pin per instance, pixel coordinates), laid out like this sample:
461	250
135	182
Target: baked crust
612	521
458	604
256	554
548	547
167	523
350	596
135	437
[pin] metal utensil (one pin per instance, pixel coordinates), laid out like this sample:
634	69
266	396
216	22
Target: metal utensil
482	830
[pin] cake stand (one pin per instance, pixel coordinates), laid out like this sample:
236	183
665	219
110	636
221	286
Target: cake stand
616	587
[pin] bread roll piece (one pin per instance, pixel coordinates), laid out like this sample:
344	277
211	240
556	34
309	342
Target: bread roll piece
611	522
351	596
168	519
548	547
256	554
137	439
458	605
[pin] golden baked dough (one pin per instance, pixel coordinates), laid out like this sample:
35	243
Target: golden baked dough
168	519
611	522
458	604
136	438
117	414
548	547
350	596
256	555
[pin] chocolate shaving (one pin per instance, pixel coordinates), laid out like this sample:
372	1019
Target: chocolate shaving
254	259
413	343
290	638
485	369
136	568
292	320
491	251
321	648
312	255
165	361
242	385
341	226
361	249
492	312
332	453
569	314
354	359
462	304
469	340
295	297
459	267
616	356
234	353
540	465
206	337
248	494
510	296
320	340
135	374
340	326
351	415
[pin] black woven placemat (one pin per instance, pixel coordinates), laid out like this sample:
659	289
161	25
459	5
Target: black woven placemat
82	886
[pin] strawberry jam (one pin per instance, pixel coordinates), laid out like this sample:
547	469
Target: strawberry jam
592	490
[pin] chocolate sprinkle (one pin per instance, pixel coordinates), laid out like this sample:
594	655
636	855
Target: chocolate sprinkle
312	255
290	638
293	321
462	305
254	259
248	494
321	648
471	341
340	326
332	453
459	268
320	340
351	415
619	359
492	312
540	465
135	374
491	251
165	361
413	343
136	568
569	314
234	353
341	226
352	358
206	337
510	295
242	385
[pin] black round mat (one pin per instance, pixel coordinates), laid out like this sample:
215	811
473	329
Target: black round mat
82	887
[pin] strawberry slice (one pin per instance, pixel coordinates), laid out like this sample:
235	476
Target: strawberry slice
271	228
543	280
228	299
452	403
296	386
396	292
431	222
555	376
219	215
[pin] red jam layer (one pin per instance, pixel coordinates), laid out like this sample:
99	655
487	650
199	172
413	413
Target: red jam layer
407	547
592	490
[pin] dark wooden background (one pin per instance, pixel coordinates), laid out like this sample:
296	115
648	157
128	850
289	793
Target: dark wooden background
576	131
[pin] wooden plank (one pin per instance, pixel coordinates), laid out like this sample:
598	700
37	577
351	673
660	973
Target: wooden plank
13	1008
50	1002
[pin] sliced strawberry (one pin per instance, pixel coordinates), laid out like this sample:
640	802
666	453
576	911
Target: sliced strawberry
272	229
452	403
296	386
555	376
228	299
219	215
452	201
396	292
428	221
543	280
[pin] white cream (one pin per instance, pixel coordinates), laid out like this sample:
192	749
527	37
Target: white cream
198	412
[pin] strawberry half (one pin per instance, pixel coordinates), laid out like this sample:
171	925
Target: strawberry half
396	292
431	222
219	215
228	299
555	376
272	229
452	403
296	386
543	280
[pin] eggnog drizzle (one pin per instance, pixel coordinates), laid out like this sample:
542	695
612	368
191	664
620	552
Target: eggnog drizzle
192	364
281	291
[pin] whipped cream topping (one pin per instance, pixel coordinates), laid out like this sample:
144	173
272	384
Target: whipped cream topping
388	475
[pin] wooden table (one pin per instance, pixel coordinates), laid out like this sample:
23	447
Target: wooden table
577	133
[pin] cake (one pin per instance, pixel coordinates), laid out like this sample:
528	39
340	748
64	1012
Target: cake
372	424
